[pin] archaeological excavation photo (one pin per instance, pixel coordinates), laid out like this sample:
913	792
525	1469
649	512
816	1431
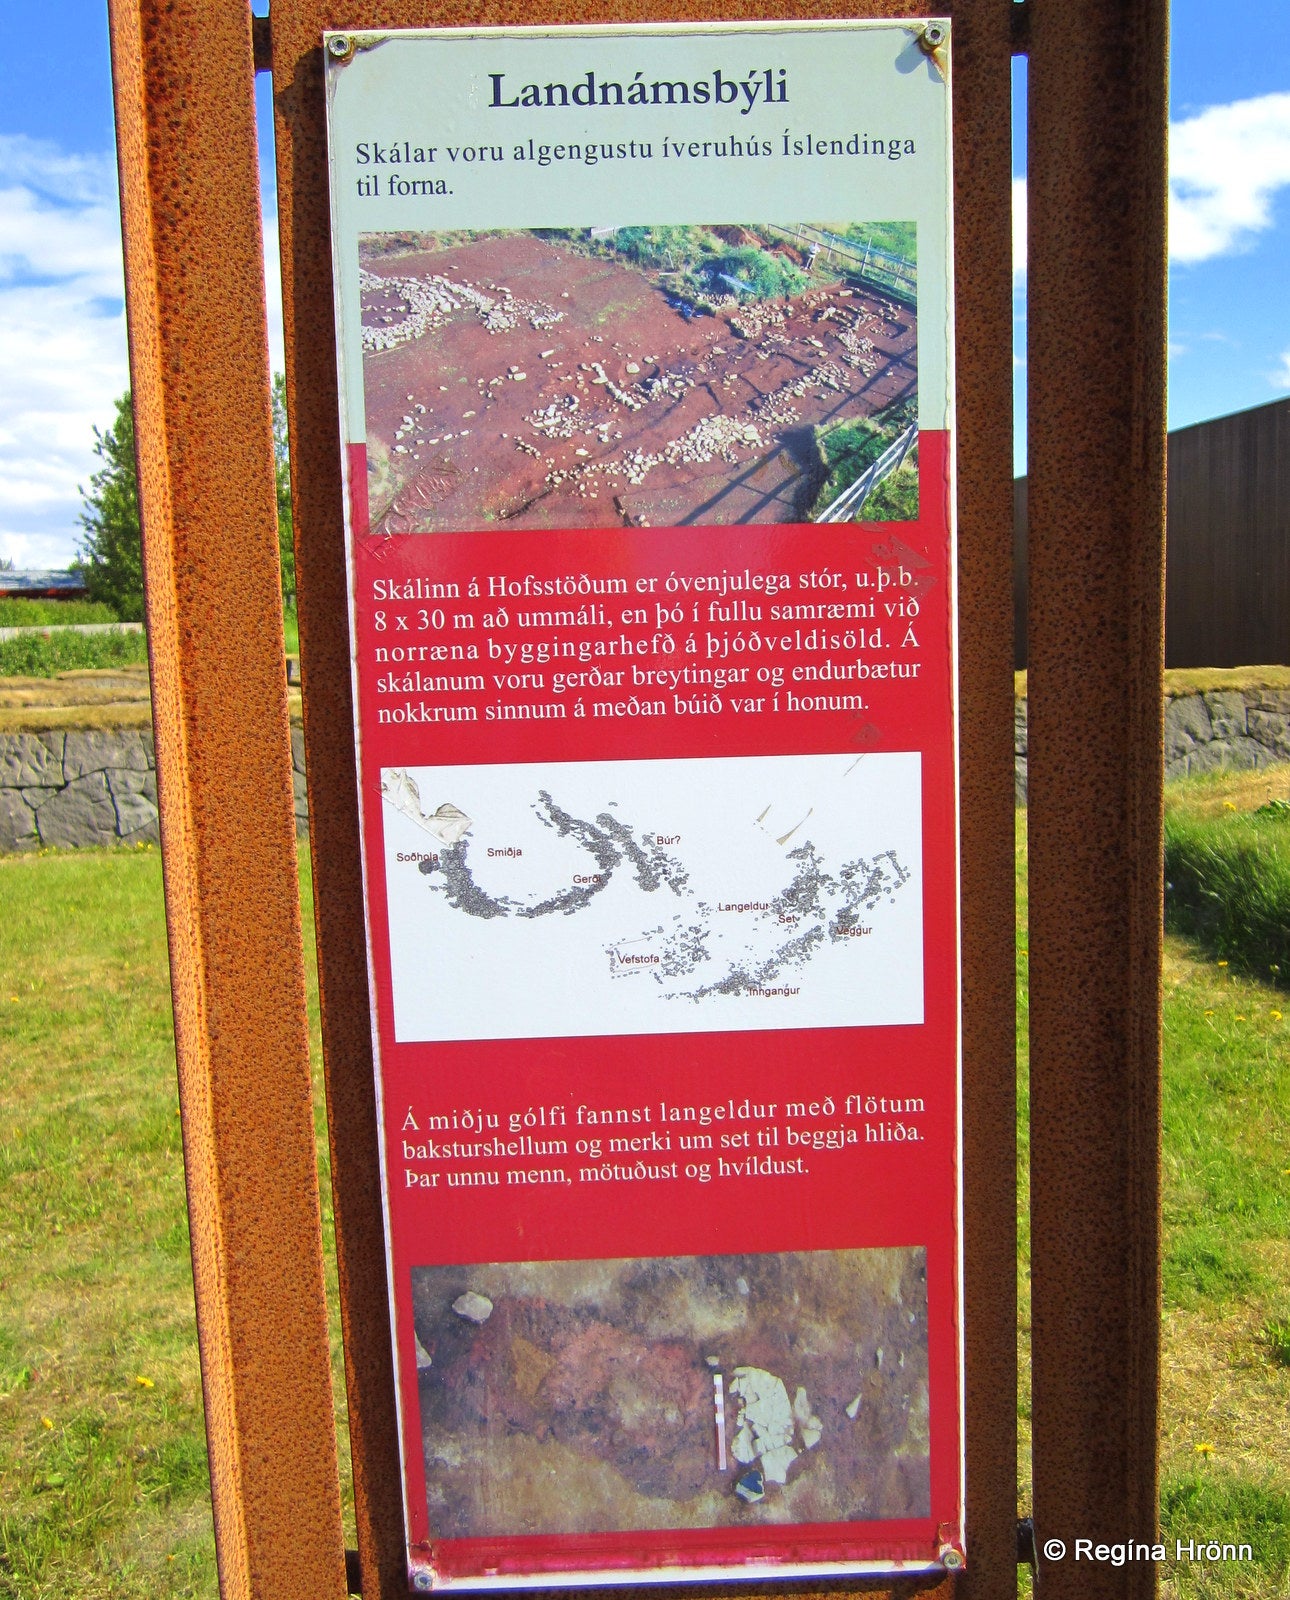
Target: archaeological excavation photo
640	376
682	1392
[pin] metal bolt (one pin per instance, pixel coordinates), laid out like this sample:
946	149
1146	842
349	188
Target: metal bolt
935	34
340	47
951	1559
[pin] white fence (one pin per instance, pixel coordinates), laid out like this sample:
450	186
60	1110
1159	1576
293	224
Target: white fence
847	506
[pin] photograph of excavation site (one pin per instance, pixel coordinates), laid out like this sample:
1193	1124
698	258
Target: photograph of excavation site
680	1392
640	376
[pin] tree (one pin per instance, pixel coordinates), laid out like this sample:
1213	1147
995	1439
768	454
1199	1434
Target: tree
282	485
111	552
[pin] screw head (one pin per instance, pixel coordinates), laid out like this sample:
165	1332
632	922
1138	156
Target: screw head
340	47
934	33
951	1559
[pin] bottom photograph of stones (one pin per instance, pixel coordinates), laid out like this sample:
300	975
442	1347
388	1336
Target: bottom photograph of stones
675	1392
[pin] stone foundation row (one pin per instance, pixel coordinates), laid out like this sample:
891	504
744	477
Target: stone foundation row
1220	730
95	787
92	787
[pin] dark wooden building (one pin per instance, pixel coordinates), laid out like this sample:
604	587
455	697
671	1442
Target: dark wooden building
1227	590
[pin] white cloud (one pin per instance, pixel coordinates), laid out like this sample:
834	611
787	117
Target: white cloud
62	340
40	165
1281	376
1226	165
273	292
63	360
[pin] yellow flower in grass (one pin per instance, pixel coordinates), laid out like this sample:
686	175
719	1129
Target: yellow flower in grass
46	1423
1275	1015
1222	963
1228	805
1203	1449
145	1383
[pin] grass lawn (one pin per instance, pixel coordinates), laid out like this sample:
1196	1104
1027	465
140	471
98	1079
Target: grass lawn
1225	1403
44	655
102	1449
102	1453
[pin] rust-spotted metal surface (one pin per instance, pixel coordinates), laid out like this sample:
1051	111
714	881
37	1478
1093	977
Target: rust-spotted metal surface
983	253
1096	366
199	365
982	68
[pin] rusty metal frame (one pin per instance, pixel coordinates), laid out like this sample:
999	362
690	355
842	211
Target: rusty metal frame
1098	105
199	363
183	71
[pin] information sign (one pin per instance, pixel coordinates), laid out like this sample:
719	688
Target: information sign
645	349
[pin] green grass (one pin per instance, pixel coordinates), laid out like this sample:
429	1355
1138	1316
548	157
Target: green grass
1227	882
1225	1452
1276	1336
44	655
102	1449
111	1498
849	448
38	655
1200	680
44	613
896	497
1024	1410
1225	1465
1200	1506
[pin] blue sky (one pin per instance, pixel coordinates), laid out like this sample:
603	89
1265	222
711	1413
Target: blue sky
62	329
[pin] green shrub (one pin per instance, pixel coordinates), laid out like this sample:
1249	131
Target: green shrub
767	274
51	613
1227	883
110	558
676	247
41	655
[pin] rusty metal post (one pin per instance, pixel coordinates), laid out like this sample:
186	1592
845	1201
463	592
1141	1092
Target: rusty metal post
982	68
1097	358
199	362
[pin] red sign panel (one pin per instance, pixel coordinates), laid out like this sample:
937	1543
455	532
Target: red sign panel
653	639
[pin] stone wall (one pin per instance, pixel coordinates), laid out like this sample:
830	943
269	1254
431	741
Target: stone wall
99	786
1221	729
79	787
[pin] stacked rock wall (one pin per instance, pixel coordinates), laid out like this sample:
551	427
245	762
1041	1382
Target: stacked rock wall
69	789
1218	730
